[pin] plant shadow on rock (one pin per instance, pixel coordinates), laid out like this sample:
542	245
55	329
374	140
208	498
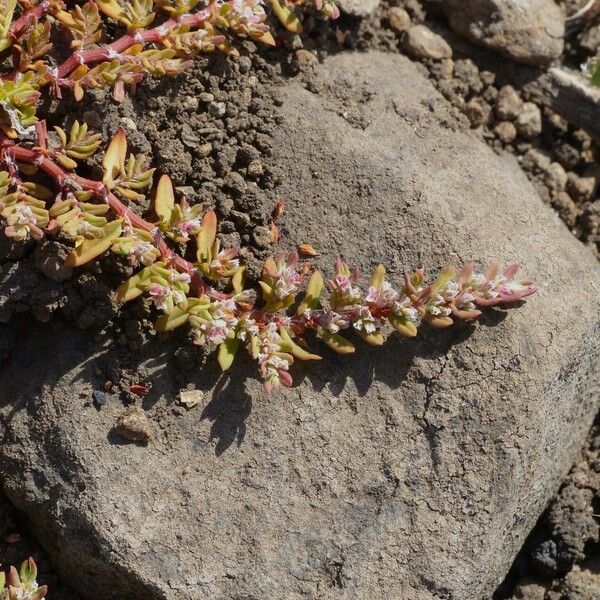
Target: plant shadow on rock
43	354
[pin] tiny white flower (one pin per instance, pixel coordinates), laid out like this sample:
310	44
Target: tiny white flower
364	320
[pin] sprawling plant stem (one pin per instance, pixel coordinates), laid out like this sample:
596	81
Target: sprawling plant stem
29	17
65	181
140	36
208	295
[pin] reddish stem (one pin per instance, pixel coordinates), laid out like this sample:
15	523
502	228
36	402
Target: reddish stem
141	36
62	179
27	18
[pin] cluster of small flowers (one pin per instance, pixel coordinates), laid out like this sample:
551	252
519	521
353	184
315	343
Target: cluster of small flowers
288	282
273	363
22	223
168	294
187	228
247	17
225	262
141	252
164	297
221	325
269	333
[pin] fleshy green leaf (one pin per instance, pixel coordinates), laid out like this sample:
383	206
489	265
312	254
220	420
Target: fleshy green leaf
286	17
7	10
447	275
175	318
28	572
90	249
133	287
378	277
288	345
114	159
238	280
313	293
164	201
337	342
374	339
227	352
207	236
403	326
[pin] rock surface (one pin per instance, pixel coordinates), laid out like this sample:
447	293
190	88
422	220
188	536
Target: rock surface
570	95
378	474
528	31
360	8
419	41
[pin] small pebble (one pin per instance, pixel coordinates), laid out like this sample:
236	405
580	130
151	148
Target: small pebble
506	132
190	103
245	64
255	169
128	123
305	58
478	112
133	425
262	236
204	149
399	19
419	41
217	109
556	177
99	398
190	398
529	121
508	103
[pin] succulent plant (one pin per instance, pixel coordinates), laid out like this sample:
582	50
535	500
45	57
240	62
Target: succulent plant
208	294
22	584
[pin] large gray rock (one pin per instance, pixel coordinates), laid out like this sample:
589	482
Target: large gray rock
412	471
529	31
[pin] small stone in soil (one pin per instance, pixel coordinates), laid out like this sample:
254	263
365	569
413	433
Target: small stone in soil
358	8
255	169
191	398
133	425
217	109
420	42
582	189
478	112
556	177
305	58
190	103
399	19
508	103
99	398
529	121
536	160
506	132
262	236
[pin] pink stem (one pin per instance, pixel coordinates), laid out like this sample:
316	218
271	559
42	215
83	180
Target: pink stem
27	18
141	36
62	178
